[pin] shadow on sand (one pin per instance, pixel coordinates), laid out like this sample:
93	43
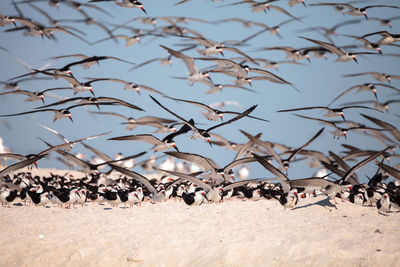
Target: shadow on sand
324	203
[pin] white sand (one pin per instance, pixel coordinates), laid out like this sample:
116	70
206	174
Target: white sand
236	233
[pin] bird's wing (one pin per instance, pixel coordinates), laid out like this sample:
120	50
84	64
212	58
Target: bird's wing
241	115
343	93
362	163
320	120
136	176
393	130
326	45
206	163
192	179
120	101
395	173
20	164
281	177
204	106
21	92
176	115
53	131
189	62
306	144
148	138
304	108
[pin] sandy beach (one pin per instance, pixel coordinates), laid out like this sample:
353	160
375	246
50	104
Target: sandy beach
232	233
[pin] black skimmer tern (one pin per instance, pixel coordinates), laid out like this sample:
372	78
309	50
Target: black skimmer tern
262	6
274	30
96	100
210	113
387	37
58	113
125	3
379	76
365	87
384	204
158	145
32	96
289	199
332	112
342	56
367	44
326	32
194	75
386	22
340	132
130	85
201	133
351	10
195	198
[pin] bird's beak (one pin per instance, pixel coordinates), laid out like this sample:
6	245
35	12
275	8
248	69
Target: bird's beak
341	114
375	94
388	79
221	52
249	81
208	77
69	72
354	58
176	148
137	91
308	58
13	21
365	14
69	116
209	141
379	50
35	163
91	90
345	136
221	116
267	7
304	4
42	98
142	8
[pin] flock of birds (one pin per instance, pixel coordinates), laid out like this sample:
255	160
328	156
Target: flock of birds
204	181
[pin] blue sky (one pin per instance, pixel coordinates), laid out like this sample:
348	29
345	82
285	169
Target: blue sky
319	81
